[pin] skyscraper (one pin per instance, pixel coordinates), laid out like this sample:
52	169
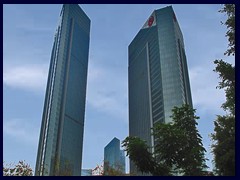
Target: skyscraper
158	75
114	157
61	134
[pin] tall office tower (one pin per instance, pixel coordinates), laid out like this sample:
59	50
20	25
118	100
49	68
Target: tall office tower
114	157
158	75
61	137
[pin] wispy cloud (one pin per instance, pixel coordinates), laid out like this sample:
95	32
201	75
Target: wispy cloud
26	77
203	86
21	130
106	91
207	100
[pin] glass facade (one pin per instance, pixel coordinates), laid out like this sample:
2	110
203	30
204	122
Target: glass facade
86	172
114	157
61	135
158	76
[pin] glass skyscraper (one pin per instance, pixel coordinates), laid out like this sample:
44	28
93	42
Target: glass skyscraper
158	75
114	157
61	134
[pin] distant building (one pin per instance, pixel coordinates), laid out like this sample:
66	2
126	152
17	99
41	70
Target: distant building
114	158
122	161
86	172
158	76
61	135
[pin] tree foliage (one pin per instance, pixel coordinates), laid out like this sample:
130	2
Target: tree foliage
227	76
229	9
224	148
106	170
21	169
178	147
138	152
192	161
224	131
185	152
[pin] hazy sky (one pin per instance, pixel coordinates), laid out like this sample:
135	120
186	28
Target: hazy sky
28	32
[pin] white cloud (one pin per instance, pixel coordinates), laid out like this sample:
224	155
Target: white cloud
207	100
105	91
21	130
26	77
203	87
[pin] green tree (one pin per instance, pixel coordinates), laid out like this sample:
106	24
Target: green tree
188	155
178	147
224	147
138	152
21	169
227	76
224	131
229	9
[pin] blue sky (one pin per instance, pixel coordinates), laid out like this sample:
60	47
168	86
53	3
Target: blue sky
28	32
